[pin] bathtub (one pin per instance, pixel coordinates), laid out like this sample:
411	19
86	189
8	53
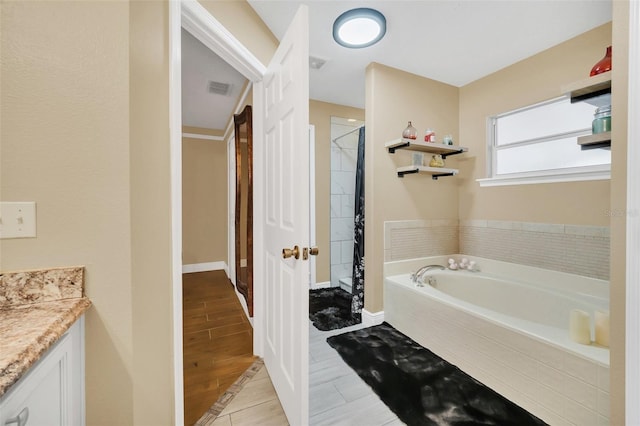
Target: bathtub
508	327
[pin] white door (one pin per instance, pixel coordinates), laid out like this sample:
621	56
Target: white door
285	93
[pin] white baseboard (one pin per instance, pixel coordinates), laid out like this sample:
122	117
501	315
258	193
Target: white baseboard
203	267
323	284
372	318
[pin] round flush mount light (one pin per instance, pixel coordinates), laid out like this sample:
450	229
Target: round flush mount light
357	28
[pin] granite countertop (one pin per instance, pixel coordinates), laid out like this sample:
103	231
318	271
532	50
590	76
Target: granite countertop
36	309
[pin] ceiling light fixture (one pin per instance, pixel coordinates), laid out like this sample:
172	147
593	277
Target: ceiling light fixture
357	28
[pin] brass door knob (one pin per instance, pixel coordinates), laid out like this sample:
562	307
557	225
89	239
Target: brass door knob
313	251
287	253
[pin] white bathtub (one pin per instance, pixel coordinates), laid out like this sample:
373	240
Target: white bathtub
508	326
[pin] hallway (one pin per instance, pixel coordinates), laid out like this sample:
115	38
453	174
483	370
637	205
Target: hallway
217	340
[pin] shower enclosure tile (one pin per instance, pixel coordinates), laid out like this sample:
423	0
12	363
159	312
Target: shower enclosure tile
336	250
343	183
349	160
336	159
336	205
347	204
347	252
341	229
339	271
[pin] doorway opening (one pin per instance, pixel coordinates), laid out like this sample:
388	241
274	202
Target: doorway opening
217	333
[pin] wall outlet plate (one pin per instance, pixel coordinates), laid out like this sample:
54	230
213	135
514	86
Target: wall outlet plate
17	219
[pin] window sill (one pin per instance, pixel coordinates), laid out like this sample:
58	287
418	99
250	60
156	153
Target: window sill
532	179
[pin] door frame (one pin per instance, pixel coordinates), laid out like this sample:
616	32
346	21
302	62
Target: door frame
193	17
632	299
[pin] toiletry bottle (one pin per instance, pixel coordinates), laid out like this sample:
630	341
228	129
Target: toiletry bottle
429	136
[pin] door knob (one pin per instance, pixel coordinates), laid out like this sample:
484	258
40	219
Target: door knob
287	253
311	250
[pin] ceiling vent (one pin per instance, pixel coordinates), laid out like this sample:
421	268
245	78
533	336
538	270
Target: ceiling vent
316	63
218	88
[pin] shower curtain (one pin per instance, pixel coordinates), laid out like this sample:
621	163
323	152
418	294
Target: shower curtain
357	289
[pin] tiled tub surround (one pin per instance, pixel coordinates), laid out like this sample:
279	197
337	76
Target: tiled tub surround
409	239
536	366
581	250
36	308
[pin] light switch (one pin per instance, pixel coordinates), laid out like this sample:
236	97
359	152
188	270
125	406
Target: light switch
17	219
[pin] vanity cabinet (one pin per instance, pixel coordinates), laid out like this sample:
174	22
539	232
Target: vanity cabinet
51	392
596	91
428	147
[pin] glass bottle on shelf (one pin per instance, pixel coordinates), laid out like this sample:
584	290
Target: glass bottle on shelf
603	65
410	132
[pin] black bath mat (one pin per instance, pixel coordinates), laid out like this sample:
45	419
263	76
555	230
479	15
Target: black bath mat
420	387
330	309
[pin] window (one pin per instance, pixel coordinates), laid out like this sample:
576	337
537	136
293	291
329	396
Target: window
539	144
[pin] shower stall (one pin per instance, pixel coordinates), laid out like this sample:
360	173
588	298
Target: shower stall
344	156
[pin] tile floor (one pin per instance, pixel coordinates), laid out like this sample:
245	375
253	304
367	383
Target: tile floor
256	404
337	396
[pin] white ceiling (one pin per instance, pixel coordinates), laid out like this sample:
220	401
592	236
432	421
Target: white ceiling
455	42
199	66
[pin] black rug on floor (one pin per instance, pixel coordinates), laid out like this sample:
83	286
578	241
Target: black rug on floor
420	387
330	309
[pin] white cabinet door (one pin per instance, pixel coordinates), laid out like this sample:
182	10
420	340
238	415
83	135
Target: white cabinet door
50	393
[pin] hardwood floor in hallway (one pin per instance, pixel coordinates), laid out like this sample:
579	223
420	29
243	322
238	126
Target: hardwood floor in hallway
217	340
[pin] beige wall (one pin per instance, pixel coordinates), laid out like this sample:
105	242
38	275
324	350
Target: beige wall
320	114
65	145
245	24
532	80
83	101
204	201
619	89
150	197
394	97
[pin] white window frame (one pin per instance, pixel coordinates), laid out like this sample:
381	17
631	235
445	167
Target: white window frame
569	174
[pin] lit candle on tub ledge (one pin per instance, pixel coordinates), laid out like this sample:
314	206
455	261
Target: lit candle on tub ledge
580	326
602	328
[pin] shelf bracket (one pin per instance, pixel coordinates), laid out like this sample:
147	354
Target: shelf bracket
407	172
449	154
435	177
606	145
392	150
596	93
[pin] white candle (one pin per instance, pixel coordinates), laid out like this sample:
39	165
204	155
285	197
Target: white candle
580	327
602	328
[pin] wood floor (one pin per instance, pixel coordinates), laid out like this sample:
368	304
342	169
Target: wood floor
218	340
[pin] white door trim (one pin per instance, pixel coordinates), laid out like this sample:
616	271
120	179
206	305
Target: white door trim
312	203
175	137
632	324
192	16
210	32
